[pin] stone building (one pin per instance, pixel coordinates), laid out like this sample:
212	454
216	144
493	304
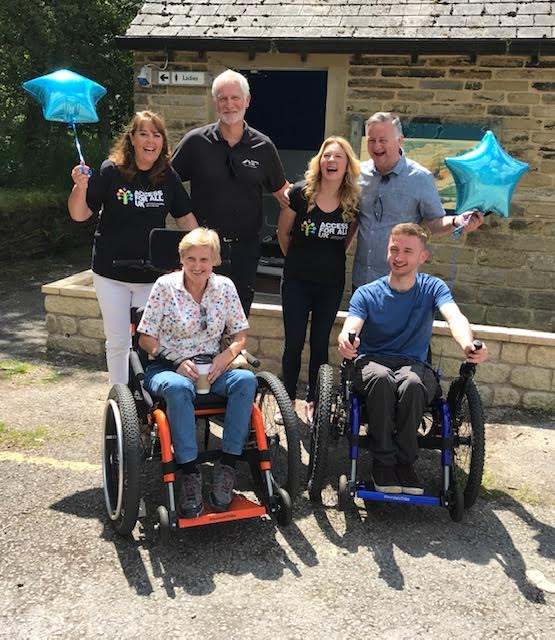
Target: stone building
320	67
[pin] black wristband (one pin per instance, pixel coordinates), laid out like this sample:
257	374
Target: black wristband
453	221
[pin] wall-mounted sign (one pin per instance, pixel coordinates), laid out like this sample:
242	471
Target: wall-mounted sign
184	78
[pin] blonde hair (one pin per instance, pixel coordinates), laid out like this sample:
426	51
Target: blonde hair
410	229
123	154
201	237
349	191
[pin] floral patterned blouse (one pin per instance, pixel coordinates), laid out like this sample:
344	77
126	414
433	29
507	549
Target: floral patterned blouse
180	323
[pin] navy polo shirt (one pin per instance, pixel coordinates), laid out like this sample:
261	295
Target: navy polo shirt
227	183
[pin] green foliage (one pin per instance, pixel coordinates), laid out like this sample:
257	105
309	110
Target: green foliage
22	439
38	37
9	368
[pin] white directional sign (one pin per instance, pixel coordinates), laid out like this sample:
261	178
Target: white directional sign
196	78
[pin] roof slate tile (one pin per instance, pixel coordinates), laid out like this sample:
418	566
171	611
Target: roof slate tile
343	19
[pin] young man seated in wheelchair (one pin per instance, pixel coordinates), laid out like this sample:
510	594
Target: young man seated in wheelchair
186	315
392	318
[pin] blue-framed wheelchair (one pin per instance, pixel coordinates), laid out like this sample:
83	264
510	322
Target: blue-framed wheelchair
137	432
454	425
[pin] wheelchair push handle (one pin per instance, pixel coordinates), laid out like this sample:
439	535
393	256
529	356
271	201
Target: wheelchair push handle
252	360
139	263
468	369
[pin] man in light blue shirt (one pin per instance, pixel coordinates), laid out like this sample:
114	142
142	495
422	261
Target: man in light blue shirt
395	189
393	318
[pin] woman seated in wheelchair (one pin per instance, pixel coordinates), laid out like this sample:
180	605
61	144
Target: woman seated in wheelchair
186	314
392	318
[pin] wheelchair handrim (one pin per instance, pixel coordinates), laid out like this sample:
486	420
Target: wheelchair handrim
114	514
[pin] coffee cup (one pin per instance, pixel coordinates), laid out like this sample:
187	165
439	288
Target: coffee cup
203	363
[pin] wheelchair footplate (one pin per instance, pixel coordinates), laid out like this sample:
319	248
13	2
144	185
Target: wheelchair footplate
369	494
240	508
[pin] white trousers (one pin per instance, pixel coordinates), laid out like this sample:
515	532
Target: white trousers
115	299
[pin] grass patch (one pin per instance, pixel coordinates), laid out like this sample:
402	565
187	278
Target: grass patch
53	376
9	368
22	438
490	490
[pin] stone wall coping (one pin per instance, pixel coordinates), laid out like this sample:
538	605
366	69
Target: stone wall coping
79	285
483	332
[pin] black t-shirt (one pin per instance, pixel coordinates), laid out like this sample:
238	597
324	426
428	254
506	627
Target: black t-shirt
128	213
317	249
227	182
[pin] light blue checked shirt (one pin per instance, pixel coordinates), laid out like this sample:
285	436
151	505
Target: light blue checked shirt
407	194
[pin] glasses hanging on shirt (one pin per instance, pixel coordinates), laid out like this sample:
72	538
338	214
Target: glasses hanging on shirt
203	318
377	207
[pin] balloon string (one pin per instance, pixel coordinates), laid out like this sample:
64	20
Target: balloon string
77	143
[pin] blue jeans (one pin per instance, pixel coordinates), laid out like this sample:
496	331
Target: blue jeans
238	385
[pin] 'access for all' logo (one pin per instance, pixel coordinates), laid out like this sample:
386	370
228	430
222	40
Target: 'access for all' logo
124	195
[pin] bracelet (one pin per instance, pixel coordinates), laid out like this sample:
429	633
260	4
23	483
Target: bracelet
453	221
167	356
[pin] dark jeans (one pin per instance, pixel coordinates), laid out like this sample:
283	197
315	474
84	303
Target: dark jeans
396	390
299	298
239	262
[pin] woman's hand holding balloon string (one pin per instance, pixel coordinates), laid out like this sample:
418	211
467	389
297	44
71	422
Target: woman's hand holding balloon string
80	175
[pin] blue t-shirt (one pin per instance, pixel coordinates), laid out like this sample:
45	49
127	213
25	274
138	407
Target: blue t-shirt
398	323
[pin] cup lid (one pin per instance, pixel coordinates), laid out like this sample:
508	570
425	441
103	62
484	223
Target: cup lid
203	358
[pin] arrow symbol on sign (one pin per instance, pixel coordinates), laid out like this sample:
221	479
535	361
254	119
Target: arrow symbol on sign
164	77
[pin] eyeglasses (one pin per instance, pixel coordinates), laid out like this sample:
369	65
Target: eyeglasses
230	166
377	208
203	319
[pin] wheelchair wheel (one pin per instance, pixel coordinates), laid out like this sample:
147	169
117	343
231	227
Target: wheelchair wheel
122	459
163	524
456	499
344	499
469	439
284	440
284	514
320	433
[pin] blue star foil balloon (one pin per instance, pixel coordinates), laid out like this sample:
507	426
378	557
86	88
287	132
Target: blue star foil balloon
486	177
66	96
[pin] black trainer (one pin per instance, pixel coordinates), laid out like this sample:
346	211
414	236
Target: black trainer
385	478
190	497
408	479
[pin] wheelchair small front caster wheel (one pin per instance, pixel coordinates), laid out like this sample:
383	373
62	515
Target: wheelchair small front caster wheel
162	527
344	498
456	501
284	513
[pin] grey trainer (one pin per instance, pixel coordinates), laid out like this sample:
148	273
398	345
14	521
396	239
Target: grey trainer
190	498
222	486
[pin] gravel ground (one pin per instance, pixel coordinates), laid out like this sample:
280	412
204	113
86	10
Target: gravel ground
386	572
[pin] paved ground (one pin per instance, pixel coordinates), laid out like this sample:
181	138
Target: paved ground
389	572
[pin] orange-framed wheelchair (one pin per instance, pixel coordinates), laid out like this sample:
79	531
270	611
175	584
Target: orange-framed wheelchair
136	432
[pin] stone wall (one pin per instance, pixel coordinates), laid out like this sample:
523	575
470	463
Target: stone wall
520	371
504	273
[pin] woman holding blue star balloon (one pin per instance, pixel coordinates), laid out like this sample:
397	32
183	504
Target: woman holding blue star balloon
132	192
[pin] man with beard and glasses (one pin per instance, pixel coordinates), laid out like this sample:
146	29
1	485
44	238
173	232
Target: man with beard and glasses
229	164
394	190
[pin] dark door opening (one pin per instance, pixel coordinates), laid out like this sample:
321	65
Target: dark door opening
290	108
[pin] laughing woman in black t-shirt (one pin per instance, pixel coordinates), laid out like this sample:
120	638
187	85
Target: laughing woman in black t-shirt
134	191
313	233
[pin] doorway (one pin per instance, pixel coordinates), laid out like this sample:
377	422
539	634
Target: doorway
290	108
